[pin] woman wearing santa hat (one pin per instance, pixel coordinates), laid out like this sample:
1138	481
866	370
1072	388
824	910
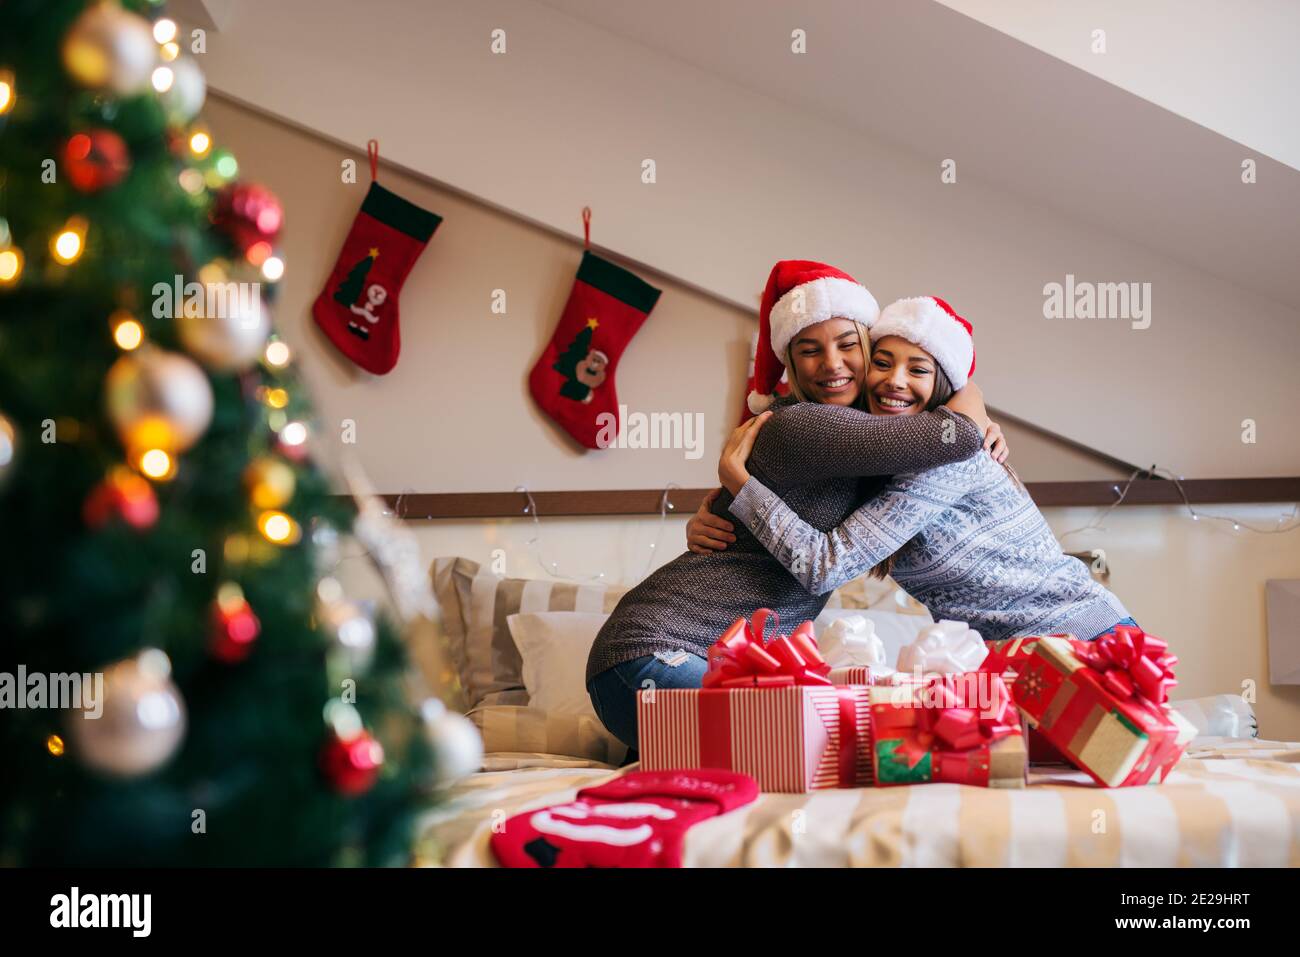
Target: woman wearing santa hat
964	539
814	325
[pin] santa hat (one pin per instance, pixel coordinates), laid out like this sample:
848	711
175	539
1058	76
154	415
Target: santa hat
931	323
800	294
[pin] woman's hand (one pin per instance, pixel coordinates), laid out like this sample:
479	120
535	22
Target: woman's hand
731	465
969	401
996	443
706	532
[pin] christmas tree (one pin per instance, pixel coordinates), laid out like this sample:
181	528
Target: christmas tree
165	531
349	290
568	362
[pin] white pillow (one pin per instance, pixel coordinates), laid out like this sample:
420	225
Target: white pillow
893	630
553	647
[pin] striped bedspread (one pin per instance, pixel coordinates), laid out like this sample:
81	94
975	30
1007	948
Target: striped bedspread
1230	802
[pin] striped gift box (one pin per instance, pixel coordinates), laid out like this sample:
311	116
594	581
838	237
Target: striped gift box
787	738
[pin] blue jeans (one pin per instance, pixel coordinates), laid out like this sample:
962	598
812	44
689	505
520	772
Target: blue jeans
613	691
1124	621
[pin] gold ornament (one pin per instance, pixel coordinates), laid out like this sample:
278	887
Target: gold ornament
270	482
110	48
142	720
233	337
158	400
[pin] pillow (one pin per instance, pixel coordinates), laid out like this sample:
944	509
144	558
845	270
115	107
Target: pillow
515	728
475	604
554	646
893	629
1219	715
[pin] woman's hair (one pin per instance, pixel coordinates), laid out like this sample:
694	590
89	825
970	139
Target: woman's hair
943	391
864	338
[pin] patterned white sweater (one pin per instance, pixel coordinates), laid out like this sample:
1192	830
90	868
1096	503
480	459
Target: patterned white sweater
970	545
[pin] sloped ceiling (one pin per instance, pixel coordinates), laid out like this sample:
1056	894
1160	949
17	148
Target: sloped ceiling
835	154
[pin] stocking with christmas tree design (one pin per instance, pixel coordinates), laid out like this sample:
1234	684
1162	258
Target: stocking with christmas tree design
573	381
357	309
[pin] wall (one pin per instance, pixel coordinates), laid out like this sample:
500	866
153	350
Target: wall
455	416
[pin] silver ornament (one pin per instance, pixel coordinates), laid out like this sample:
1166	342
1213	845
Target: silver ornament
232	340
158	399
108	48
141	721
184	98
351	630
455	742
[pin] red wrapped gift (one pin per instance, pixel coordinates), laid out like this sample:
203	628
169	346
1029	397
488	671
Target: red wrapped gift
1103	704
769	711
959	729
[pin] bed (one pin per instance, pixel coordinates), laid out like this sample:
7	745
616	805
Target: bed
1233	800
1230	802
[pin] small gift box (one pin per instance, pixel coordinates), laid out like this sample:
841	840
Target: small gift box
769	711
1007	656
959	729
1103	704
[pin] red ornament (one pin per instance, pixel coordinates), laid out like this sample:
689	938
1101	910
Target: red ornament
352	765
124	495
234	626
248	214
96	160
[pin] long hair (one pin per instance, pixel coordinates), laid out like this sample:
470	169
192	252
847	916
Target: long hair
792	377
942	393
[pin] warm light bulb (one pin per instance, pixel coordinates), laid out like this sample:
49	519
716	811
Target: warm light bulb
273	269
11	265
200	143
258	253
54	745
163	78
226	166
277	354
191	181
277	398
6	91
156	464
68	245
295	433
128	334
169	51
277	528
164	30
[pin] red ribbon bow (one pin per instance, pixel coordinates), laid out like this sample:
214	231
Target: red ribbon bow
740	658
961	728
1131	662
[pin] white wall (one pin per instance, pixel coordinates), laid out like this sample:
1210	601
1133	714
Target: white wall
568	115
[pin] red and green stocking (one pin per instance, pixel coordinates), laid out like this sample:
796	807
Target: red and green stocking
357	309
573	381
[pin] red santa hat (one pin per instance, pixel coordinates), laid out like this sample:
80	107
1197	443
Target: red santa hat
932	324
800	294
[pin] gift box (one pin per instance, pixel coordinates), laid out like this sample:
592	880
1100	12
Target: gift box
1007	656
958	729
766	710
1103	704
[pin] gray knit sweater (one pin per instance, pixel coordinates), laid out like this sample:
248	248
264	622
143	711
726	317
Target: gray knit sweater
968	543
690	601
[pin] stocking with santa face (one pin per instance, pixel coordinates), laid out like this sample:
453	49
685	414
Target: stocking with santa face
357	309
573	381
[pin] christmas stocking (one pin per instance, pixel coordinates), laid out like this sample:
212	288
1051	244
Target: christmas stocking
573	381
357	308
636	820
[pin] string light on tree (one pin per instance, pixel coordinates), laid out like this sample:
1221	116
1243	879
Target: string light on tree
7	96
8	447
270	482
69	242
293	441
164	30
273	269
163	78
157	465
54	745
200	143
278	528
277	354
234	627
11	265
127	332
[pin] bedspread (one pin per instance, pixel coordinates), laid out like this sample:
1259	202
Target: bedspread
1229	802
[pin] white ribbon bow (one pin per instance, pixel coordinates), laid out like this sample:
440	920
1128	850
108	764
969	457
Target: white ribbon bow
946	647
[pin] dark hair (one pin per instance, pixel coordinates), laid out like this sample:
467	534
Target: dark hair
943	391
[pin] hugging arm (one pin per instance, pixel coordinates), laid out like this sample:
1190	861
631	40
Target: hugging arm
822	561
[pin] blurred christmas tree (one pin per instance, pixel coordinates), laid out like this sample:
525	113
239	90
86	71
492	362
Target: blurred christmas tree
160	518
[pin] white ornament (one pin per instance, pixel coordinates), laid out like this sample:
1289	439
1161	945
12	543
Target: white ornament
456	744
141	721
184	98
947	647
233	340
158	399
109	48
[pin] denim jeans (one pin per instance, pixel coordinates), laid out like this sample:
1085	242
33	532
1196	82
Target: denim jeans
1124	621
613	691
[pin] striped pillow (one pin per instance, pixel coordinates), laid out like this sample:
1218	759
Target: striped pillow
475	603
512	728
1219	715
